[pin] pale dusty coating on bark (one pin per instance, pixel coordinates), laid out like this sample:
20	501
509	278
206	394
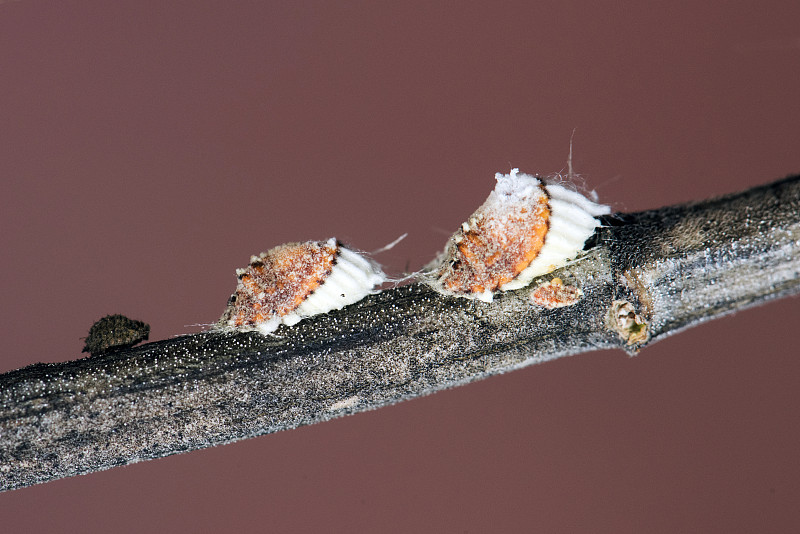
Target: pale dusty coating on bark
202	390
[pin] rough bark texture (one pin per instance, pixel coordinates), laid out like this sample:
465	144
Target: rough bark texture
646	276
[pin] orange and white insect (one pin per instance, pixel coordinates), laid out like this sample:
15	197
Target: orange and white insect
298	280
526	228
555	294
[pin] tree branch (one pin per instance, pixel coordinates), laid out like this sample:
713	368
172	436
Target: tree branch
647	275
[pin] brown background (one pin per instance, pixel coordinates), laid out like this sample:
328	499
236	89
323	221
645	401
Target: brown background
146	150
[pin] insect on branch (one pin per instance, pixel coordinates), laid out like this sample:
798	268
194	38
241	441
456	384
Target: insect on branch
643	276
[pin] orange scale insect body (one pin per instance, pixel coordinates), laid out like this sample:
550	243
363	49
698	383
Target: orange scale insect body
524	229
297	280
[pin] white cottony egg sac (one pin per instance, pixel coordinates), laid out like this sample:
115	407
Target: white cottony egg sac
298	280
525	228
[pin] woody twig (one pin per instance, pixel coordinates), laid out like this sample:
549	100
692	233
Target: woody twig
645	276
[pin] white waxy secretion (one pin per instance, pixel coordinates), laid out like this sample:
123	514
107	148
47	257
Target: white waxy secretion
524	229
298	280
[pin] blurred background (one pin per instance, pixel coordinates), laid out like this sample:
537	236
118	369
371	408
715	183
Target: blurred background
148	148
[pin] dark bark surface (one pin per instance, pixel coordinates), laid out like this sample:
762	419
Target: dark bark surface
645	276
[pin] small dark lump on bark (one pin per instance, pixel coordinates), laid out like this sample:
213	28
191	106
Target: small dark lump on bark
114	332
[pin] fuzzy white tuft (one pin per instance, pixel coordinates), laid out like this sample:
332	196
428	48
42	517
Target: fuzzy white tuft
572	221
352	278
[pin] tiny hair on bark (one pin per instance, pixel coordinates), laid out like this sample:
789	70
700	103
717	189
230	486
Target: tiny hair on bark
643	276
